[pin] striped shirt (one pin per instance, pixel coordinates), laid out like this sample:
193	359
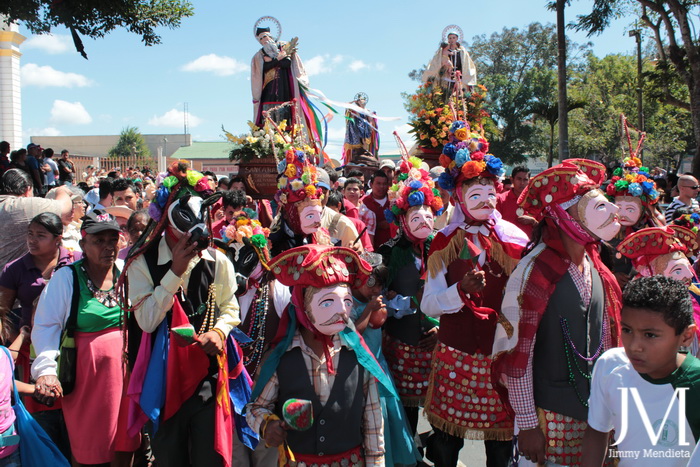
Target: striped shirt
372	421
676	204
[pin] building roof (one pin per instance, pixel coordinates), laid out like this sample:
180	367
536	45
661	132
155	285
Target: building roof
203	150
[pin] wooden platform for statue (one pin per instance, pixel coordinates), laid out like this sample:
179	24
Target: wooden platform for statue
259	177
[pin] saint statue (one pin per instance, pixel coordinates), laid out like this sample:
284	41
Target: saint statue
276	72
451	62
361	134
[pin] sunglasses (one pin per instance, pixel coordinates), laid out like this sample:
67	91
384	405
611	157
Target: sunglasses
693	187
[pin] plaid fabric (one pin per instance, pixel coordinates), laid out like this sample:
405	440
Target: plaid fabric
583	280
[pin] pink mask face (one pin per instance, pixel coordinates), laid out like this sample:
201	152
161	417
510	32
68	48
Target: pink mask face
600	216
330	308
677	267
479	200
310	218
630	210
420	221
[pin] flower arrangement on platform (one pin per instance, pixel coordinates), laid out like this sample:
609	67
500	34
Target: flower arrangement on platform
244	226
265	142
432	114
298	178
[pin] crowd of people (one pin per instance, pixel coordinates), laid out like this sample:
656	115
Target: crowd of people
171	319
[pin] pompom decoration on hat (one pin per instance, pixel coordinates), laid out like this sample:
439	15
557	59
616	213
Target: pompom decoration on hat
242	226
415	187
298	414
298	179
632	179
191	181
466	156
689	221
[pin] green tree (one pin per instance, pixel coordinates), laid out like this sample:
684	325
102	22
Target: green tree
673	27
131	144
96	18
518	67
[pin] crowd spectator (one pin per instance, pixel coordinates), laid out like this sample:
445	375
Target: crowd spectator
18	207
66	168
125	193
4	156
352	194
96	431
688	189
34	162
507	203
372	210
51	174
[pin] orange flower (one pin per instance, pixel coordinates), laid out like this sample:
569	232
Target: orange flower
472	169
461	134
437	203
310	190
434	142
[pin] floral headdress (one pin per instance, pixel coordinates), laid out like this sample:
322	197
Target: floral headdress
415	187
191	181
243	226
466	157
298	179
632	179
689	221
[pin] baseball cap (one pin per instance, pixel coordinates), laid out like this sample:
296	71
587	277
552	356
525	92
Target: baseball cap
387	163
323	180
436	171
97	221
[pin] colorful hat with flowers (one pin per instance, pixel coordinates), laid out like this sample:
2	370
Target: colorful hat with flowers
182	179
466	156
689	221
415	187
632	179
298	179
244	229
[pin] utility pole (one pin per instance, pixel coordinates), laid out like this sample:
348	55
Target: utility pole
561	62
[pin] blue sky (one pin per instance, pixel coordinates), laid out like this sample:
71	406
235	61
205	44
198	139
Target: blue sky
346	47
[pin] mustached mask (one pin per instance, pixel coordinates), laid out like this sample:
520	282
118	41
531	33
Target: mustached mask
188	215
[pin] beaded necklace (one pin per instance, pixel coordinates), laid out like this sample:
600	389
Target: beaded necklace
105	297
256	331
572	354
210	317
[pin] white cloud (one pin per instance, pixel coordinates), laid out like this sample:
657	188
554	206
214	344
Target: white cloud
338	59
317	65
45	76
69	113
48	131
357	65
49	43
220	66
175	118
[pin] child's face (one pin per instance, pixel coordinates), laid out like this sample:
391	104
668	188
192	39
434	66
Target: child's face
651	344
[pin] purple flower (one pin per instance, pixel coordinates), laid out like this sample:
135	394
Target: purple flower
495	166
154	211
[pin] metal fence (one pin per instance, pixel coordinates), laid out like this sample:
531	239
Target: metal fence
109	164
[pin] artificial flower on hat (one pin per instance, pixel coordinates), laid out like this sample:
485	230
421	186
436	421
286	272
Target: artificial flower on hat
243	226
415	187
689	221
561	184
633	179
466	156
180	175
298	178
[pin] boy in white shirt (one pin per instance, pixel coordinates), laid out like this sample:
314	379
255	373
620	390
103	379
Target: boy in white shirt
647	392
